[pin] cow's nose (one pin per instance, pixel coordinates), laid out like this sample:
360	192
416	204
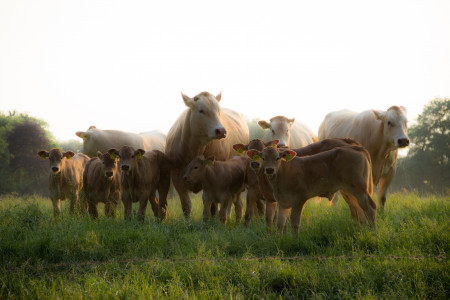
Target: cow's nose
185	178
55	169
220	133
403	142
254	164
125	167
269	171
109	173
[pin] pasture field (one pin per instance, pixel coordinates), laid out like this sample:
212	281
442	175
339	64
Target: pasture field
406	256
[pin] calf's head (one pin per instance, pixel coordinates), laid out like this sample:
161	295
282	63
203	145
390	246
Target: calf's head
204	117
280	128
197	168
109	162
271	159
255	144
56	157
395	126
128	157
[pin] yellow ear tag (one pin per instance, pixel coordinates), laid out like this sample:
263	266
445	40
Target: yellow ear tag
68	157
82	135
240	151
113	156
139	155
43	157
256	157
288	157
210	162
275	145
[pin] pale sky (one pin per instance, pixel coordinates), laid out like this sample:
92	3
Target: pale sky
122	64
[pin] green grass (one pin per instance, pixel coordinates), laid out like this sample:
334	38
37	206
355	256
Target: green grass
332	257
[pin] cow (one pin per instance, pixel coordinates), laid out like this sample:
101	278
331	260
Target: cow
142	173
203	128
222	182
95	139
101	183
255	200
296	179
66	178
290	133
382	133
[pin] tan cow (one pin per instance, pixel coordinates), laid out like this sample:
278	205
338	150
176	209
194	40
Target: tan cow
66	178
95	140
142	173
101	183
294	180
289	132
382	133
222	182
203	128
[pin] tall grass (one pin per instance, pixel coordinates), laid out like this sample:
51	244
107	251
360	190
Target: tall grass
75	256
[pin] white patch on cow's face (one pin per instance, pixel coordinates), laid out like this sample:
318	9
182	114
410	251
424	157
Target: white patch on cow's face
280	130
205	118
396	127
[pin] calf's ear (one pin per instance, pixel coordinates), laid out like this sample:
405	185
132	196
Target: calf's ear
287	155
138	153
83	135
254	155
113	153
264	124
43	154
99	154
210	160
273	143
68	154
240	148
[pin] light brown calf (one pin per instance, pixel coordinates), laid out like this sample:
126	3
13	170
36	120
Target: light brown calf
296	179
142	173
101	183
66	178
222	181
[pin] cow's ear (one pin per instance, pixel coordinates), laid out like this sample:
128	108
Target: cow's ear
273	143
83	135
291	122
264	124
189	102
138	153
68	154
99	154
254	155
219	96
240	148
379	115
404	109
287	155
43	154
113	153
210	160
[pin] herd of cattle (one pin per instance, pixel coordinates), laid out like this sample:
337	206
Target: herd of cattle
208	148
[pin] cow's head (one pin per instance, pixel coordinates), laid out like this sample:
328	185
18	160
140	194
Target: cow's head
256	144
128	158
395	125
109	161
56	157
271	159
205	116
197	168
280	128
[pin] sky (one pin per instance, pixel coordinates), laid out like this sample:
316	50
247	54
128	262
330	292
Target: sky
123	64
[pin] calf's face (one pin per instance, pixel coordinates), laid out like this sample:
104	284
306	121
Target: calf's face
256	144
128	158
271	159
197	168
109	160
56	157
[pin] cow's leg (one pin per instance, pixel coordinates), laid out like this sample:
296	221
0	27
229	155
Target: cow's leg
206	207
154	202
238	207
252	193
111	205
283	213
357	214
260	204
385	182
271	208
82	202
56	206
182	190
296	214
127	206
225	203
163	191
367	205
93	210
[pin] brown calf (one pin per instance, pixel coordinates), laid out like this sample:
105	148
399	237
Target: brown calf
296	179
66	178
222	181
101	183
142	173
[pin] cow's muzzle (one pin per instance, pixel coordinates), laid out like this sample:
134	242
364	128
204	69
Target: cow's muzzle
125	168
270	171
220	133
55	169
403	142
109	174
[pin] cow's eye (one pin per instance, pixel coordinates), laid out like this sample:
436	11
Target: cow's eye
201	111
389	123
273	131
132	156
263	158
278	158
195	168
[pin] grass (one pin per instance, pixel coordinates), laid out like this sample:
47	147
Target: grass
332	257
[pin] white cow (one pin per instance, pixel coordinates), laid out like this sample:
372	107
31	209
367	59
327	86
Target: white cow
288	132
381	132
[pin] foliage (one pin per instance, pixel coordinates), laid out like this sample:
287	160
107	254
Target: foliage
21	137
71	145
427	166
332	257
256	132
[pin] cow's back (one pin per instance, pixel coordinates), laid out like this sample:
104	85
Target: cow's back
154	140
301	135
103	140
72	171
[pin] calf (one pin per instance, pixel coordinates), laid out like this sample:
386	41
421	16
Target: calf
296	179
142	173
66	178
222	181
101	183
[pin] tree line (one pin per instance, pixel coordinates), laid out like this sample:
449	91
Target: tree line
424	169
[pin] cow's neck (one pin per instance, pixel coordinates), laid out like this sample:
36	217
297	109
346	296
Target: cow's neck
191	145
378	153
